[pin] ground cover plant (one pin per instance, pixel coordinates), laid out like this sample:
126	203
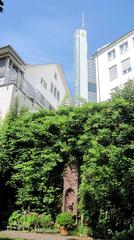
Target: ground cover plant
5	238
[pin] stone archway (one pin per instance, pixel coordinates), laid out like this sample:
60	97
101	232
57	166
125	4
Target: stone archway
70	200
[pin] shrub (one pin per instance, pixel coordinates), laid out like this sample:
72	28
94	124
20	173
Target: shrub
45	220
15	221
124	235
32	220
82	230
64	219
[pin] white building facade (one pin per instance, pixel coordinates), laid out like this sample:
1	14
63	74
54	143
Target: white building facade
50	81
39	86
114	65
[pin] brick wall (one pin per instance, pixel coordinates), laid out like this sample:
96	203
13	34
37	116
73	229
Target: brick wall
70	188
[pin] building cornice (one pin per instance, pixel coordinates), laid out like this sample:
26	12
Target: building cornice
111	45
8	50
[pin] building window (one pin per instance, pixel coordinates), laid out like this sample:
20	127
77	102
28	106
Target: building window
15	68
50	107
55	91
124	47
114	89
111	55
92	97
43	83
126	66
1	76
52	88
2	62
113	72
10	63
133	41
58	95
91	87
55	76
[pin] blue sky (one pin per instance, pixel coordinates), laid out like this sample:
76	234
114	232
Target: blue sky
41	31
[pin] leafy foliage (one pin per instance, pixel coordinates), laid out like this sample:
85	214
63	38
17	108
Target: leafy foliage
45	220
15	220
29	221
35	148
65	219
106	189
82	230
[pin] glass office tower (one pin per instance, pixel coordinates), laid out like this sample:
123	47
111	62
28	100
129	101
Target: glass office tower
80	65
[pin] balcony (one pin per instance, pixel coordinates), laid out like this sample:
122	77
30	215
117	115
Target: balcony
2	72
12	77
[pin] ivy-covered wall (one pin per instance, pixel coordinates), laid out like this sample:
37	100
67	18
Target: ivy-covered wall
36	147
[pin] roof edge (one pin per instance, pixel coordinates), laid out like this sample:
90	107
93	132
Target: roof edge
12	50
103	49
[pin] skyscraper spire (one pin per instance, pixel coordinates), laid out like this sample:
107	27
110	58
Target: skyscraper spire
83	20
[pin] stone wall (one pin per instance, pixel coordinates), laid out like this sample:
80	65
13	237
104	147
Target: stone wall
70	188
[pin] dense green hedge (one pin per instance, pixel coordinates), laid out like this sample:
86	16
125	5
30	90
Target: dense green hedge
35	147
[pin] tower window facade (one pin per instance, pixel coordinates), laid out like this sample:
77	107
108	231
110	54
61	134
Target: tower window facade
91	87
80	64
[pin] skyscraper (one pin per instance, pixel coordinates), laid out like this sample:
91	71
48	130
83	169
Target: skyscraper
84	68
92	89
80	63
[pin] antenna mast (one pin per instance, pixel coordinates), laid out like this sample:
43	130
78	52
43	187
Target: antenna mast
83	20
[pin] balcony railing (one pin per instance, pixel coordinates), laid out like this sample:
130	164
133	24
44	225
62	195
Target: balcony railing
2	71
11	77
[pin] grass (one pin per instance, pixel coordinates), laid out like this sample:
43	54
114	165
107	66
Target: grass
6	238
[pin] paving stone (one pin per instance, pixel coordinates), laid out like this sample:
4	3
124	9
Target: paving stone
39	236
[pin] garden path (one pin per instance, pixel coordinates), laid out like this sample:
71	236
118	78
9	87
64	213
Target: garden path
39	236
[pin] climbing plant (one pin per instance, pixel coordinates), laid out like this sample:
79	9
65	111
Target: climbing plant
35	148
